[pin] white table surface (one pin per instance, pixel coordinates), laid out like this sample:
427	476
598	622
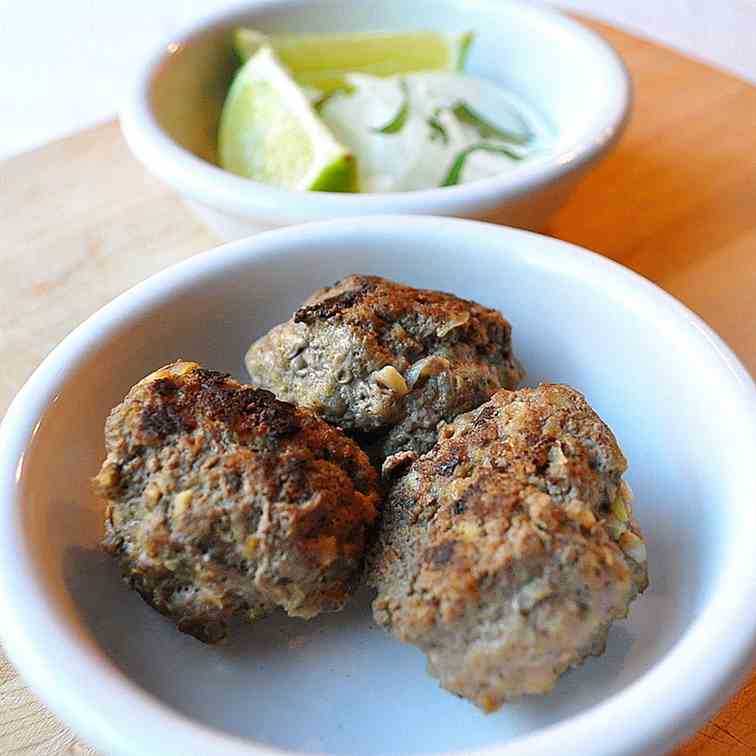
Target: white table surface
64	65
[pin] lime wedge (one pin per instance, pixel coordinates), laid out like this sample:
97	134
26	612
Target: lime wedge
270	133
321	60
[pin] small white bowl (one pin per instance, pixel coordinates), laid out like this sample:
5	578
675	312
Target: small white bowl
683	409
566	71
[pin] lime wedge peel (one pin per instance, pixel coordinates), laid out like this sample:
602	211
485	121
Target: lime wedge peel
321	60
270	133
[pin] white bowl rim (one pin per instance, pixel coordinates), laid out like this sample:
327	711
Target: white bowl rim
85	689
200	179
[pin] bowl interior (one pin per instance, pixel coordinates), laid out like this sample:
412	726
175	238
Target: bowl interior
548	61
338	684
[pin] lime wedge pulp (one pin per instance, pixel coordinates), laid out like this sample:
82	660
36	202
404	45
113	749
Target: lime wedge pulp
321	60
270	133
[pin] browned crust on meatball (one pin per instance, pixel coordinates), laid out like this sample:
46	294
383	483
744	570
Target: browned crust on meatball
222	500
387	360
500	552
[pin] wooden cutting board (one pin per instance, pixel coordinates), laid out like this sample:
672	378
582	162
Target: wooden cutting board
81	222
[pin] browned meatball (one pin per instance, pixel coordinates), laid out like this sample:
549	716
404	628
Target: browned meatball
222	500
506	551
379	358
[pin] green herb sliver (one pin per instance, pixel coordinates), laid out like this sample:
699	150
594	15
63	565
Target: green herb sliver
397	122
455	171
464	49
437	129
320	103
487	130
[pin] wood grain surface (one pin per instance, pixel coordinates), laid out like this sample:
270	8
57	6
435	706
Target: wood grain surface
82	222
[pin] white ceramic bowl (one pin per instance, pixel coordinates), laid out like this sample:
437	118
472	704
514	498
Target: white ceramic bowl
567	72
683	408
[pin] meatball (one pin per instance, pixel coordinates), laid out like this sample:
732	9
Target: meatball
386	361
222	500
506	551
